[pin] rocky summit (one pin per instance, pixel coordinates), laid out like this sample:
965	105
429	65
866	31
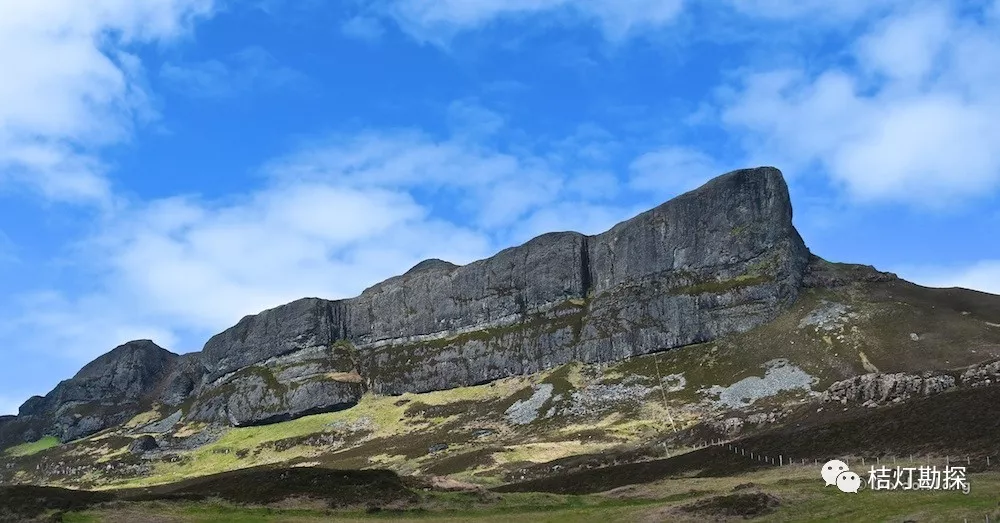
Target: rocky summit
722	259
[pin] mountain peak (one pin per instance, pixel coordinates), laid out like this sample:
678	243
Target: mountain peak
720	259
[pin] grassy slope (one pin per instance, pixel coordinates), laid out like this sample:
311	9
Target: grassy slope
28	449
953	327
798	489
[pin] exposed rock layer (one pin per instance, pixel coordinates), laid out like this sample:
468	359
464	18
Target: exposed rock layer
106	392
721	259
879	389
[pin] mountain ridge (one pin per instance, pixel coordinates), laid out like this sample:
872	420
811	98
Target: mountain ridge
719	259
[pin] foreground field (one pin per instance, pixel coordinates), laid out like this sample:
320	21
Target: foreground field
778	494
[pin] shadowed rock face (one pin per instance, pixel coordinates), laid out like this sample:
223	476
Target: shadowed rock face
721	259
106	392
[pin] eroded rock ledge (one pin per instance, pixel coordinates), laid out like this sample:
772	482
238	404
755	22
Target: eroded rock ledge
721	259
877	389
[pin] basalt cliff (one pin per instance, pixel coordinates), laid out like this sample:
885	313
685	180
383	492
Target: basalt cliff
722	259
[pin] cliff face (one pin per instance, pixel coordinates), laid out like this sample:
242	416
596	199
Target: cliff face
106	392
721	259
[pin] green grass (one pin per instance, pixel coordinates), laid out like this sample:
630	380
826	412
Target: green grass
723	286
28	449
801	494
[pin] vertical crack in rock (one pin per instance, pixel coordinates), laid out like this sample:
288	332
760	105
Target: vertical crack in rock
585	275
730	260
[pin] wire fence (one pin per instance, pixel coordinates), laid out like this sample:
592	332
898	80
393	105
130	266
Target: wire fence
981	463
782	460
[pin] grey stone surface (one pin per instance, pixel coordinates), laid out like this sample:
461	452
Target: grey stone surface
721	259
877	389
183	379
523	412
142	445
163	425
673	382
598	398
981	375
828	316
254	397
821	273
106	392
779	376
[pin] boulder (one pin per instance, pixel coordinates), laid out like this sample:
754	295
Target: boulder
142	445
879	389
981	375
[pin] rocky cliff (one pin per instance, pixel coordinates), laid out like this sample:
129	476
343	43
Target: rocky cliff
721	259
106	392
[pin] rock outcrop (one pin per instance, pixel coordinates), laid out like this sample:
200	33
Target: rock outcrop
981	375
142	445
106	392
879	389
718	260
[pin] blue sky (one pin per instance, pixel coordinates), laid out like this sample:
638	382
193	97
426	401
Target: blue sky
169	166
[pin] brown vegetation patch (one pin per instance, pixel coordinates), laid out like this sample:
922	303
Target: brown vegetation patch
744	505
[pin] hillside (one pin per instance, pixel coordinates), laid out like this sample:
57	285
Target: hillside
703	318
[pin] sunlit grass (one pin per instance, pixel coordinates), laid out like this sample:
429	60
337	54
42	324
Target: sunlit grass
27	449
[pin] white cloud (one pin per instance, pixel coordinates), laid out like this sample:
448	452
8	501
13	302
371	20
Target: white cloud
335	216
181	269
70	86
437	20
488	188
917	121
249	69
670	171
202	266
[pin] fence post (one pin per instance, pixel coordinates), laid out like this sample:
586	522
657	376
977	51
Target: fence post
781	460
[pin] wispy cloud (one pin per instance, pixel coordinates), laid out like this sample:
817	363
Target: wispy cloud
337	214
362	28
915	118
250	69
438	21
670	171
77	87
